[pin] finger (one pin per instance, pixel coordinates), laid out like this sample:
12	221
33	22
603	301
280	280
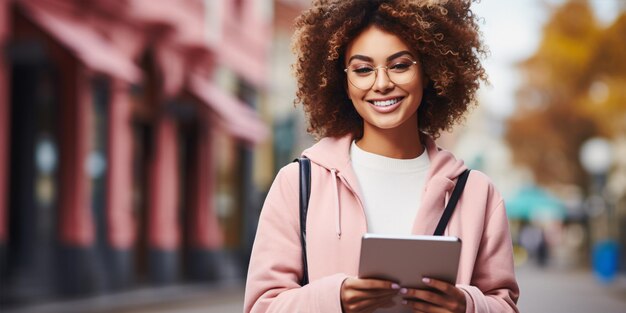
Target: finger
426	295
351	298
379	303
355	295
360	294
441	285
368	304
366	284
388	304
449	291
453	302
419	306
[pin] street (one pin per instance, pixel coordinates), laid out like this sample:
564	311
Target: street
552	291
549	291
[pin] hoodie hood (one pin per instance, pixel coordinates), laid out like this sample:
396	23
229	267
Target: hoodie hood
333	154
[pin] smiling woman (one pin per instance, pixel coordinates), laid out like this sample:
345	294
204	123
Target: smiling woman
386	101
379	80
443	37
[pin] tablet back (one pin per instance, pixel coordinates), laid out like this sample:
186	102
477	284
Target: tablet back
406	259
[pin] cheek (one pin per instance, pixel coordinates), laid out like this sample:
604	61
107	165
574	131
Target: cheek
417	90
354	94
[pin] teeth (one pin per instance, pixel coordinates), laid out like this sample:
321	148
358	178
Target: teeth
385	103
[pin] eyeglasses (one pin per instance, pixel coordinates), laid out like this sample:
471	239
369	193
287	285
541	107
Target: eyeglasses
363	75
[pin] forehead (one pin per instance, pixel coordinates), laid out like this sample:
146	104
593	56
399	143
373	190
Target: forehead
376	44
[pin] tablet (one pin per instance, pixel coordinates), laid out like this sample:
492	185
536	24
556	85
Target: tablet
406	259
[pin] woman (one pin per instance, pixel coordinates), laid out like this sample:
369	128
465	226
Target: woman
379	81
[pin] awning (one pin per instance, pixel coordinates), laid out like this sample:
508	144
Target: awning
245	52
81	39
234	116
185	18
534	203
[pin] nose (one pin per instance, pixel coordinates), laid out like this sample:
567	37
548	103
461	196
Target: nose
383	82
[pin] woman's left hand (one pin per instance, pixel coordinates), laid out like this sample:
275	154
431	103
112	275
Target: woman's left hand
444	298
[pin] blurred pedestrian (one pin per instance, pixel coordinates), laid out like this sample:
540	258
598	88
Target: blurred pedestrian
379	80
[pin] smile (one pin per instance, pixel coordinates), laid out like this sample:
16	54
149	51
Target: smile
385	103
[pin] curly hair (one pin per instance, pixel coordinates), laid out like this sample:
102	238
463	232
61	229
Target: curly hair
444	34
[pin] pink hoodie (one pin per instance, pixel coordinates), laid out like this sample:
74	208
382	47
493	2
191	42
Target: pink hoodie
336	223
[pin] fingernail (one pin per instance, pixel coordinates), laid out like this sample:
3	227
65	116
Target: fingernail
403	291
395	286
405	302
426	280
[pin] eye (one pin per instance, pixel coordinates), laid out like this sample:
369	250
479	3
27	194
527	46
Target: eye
362	69
400	65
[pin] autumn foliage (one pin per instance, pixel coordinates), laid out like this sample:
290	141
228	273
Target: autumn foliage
574	88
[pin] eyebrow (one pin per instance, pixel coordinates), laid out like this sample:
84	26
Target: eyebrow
389	58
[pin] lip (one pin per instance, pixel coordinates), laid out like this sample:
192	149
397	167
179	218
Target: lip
386	109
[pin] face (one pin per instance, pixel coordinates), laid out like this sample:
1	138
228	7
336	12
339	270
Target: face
384	81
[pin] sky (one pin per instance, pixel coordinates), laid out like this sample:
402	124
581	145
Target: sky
512	31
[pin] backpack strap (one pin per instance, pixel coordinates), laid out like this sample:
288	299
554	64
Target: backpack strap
305	194
454	198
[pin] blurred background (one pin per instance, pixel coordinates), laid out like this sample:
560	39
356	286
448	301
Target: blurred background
138	139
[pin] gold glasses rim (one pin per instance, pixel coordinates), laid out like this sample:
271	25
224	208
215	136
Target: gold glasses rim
376	68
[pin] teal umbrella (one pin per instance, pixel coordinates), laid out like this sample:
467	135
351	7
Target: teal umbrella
533	202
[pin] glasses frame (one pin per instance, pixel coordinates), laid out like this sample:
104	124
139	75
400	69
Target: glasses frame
376	68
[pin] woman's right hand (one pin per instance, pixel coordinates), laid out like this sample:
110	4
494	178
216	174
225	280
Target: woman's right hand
366	295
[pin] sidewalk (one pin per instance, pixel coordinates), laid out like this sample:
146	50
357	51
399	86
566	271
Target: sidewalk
554	291
207	298
542	290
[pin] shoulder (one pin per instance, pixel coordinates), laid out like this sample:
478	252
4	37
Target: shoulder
495	217
284	187
479	178
289	171
481	185
287	176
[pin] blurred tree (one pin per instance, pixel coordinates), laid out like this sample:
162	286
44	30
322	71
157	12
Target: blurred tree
572	90
605	79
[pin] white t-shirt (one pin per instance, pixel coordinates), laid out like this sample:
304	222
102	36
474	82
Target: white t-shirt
391	189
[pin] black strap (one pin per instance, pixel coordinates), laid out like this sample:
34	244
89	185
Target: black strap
305	194
456	194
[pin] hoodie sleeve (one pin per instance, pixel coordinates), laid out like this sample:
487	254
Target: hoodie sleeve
494	287
276	262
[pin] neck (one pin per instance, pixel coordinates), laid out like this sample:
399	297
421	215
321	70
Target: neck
399	143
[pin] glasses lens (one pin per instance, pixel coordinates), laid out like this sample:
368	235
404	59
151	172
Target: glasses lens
401	71
363	76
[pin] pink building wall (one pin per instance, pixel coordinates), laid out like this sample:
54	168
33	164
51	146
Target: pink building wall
76	223
245	41
109	38
119	212
163	225
204	227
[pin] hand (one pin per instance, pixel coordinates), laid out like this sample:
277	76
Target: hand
366	295
443	299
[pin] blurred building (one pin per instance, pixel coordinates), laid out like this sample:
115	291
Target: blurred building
126	135
289	124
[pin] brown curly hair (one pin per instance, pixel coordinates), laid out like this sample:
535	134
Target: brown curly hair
444	34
